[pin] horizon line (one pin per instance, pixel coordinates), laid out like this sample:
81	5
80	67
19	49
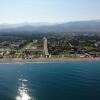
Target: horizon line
5	23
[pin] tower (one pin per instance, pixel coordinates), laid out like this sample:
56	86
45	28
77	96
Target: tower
46	53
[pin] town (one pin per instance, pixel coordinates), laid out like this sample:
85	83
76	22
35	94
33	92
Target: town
50	46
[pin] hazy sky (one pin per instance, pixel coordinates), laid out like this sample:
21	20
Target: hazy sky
19	11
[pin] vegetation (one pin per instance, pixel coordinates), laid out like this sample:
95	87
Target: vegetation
59	45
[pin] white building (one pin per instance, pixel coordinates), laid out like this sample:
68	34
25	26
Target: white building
46	53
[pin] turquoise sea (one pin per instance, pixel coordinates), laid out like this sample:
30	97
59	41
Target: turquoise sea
50	81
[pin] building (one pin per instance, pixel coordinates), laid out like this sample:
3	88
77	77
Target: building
45	48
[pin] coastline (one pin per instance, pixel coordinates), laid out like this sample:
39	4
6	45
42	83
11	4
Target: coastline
45	60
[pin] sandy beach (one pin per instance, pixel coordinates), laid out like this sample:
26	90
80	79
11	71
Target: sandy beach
45	60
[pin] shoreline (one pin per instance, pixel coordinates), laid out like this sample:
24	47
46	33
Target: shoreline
46	60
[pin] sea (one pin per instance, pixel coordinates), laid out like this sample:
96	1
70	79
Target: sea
50	81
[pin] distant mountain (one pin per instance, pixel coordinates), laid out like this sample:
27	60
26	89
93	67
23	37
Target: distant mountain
78	26
7	26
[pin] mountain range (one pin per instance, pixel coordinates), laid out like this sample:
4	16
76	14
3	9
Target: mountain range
78	26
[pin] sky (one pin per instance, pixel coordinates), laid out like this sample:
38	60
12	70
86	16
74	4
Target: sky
52	11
